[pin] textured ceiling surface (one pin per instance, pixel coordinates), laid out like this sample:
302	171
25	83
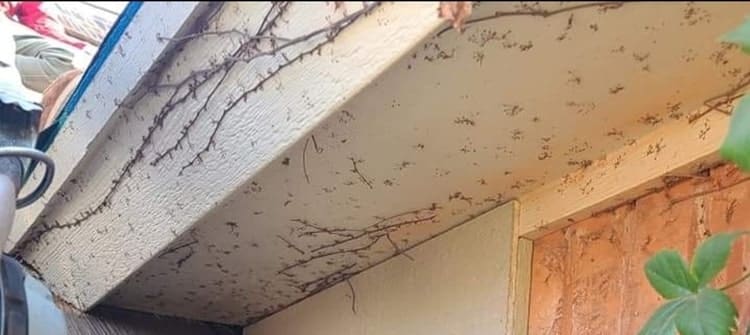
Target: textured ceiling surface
462	124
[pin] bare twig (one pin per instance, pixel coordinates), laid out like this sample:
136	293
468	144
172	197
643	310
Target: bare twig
187	245
350	241
343	232
374	231
373	240
177	248
291	245
186	128
543	13
707	192
183	90
723	99
304	155
304	160
396	250
734	283
318	150
354	296
245	35
356	171
268	22
326	281
183	259
329	32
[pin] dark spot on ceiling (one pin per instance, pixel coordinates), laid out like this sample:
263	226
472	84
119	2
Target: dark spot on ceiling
616	89
464	121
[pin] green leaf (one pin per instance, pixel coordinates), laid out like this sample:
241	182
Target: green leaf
710	312
740	36
662	321
711	257
669	275
736	146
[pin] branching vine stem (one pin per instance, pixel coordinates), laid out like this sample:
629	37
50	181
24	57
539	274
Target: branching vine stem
186	88
736	282
543	13
222	33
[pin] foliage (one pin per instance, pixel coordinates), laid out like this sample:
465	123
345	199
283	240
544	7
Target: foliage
736	146
693	306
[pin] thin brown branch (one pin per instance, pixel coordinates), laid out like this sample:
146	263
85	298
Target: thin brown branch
209	73
396	250
430	209
270	74
318	150
327	280
304	160
330	33
373	240
707	192
187	245
723	99
177	248
543	13
217	123
188	86
267	20
184	259
245	35
291	245
373	231
191	122
736	282
343	232
715	107
354	296
356	171
304	155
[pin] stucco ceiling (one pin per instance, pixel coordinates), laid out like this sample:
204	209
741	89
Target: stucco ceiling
460	125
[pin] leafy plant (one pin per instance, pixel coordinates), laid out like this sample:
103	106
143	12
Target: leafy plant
693	306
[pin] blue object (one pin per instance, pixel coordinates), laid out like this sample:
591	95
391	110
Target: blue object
113	36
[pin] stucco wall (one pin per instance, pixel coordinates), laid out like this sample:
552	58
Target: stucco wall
589	279
456	283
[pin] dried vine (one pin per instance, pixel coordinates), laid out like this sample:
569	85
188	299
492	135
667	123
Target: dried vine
290	245
354	296
707	192
529	10
269	22
185	89
723	99
356	171
329	33
329	280
185	246
346	241
304	155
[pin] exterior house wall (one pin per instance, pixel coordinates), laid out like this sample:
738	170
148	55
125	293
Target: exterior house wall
588	278
145	169
456	283
225	198
457	124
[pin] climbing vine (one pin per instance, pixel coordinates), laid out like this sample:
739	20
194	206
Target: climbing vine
694	306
